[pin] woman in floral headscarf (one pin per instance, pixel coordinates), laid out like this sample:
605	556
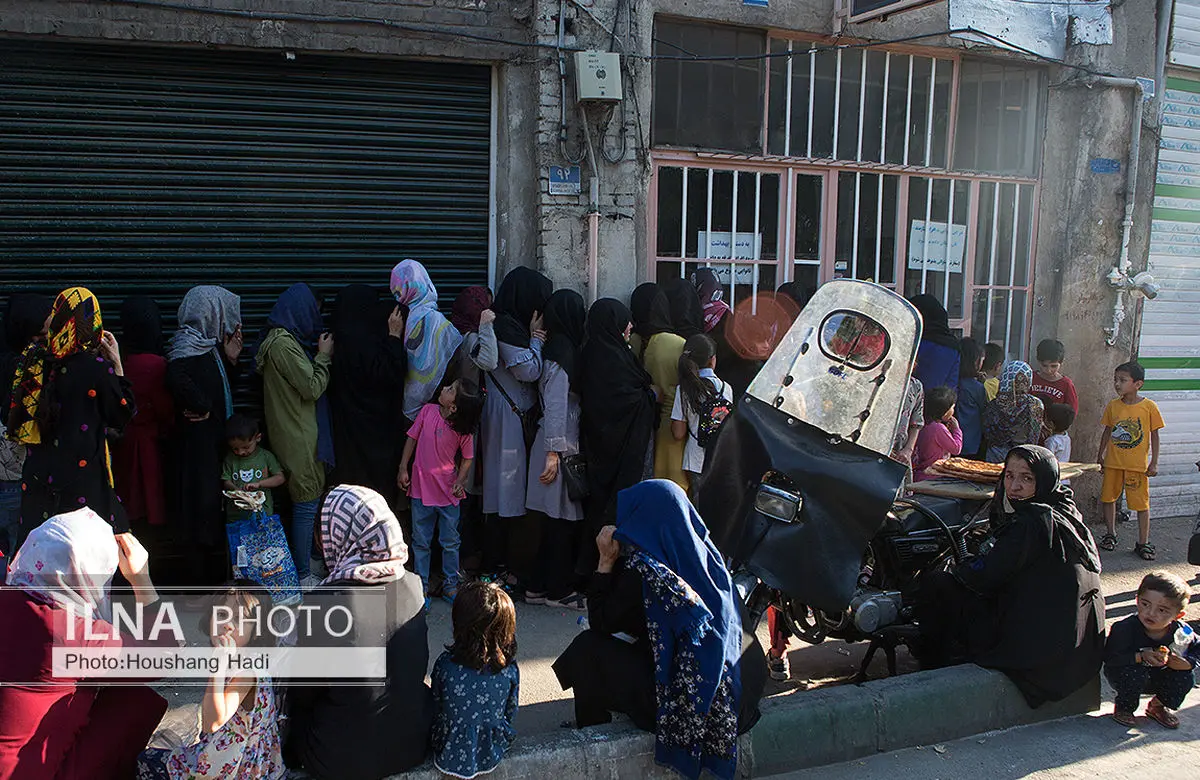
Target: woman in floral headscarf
428	336
67	392
367	730
1014	416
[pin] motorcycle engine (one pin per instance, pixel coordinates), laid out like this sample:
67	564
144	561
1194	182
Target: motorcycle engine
873	609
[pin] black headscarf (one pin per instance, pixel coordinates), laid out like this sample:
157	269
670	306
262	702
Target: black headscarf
936	328
141	326
1051	498
796	291
650	310
564	319
618	409
357	314
523	292
687	316
23	321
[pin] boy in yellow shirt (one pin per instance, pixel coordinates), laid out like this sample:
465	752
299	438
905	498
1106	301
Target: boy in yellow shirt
993	361
1131	425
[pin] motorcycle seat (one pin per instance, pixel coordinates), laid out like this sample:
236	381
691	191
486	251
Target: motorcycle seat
948	509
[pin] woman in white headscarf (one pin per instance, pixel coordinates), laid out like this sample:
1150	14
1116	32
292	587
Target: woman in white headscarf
50	726
203	357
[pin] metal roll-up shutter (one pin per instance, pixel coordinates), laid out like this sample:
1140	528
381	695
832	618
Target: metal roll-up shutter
1169	345
149	170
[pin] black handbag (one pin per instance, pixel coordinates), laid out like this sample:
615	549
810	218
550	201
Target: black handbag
529	418
573	470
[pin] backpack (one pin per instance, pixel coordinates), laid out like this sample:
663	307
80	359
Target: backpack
710	415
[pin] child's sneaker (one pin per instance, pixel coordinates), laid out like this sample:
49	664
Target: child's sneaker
1159	712
780	668
428	601
448	595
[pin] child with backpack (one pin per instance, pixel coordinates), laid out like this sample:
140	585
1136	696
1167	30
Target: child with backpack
702	402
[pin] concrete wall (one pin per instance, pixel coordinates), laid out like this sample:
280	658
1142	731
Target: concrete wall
1079	230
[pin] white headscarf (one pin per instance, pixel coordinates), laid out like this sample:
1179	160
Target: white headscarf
69	560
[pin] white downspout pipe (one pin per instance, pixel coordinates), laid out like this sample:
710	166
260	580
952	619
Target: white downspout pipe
1119	274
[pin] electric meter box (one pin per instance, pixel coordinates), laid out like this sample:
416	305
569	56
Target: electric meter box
598	75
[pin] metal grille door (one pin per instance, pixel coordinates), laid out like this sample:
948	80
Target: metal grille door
130	169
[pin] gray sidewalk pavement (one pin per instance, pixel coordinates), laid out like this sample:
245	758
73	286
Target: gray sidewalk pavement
1085	747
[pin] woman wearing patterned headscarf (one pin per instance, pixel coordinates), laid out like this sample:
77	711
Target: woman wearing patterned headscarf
201	365
293	402
66	394
429	337
372	730
691	673
1014	416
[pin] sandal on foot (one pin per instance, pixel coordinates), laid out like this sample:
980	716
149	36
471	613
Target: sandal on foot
1126	719
574	601
1144	550
1158	711
1108	542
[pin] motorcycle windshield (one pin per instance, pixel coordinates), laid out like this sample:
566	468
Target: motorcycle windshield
844	365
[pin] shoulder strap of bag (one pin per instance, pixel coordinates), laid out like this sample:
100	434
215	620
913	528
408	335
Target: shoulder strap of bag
511	403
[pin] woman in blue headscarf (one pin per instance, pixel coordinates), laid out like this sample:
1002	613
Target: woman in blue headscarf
293	401
691	674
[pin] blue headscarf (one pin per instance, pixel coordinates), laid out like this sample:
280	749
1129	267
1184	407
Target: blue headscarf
694	625
298	312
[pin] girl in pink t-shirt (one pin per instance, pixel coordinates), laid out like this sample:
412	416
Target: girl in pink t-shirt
440	447
941	437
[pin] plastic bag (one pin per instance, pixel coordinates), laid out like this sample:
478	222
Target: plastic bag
259	551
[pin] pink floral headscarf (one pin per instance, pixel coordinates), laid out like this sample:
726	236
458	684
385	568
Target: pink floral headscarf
361	537
69	561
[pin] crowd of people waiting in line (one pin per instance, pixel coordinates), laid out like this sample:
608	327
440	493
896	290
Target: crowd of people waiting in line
552	443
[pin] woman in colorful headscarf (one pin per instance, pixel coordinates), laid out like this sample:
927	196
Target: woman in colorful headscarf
692	674
201	366
429	337
66	395
1014	416
137	459
659	348
297	418
376	728
1030	604
550	505
708	287
512	392
53	726
365	389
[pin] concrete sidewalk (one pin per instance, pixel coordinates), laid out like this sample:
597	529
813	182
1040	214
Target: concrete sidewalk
1086	747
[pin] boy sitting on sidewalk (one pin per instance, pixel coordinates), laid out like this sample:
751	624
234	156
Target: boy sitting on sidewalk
1143	656
1131	425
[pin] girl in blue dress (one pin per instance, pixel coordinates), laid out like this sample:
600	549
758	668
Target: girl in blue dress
476	684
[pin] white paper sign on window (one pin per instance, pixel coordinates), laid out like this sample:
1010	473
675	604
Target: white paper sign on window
745	274
728	246
936	246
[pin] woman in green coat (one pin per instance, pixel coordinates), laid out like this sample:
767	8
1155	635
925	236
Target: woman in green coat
297	416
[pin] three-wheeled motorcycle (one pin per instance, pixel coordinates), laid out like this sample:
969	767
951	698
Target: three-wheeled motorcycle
800	492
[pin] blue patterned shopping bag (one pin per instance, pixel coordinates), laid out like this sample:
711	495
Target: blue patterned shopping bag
259	551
